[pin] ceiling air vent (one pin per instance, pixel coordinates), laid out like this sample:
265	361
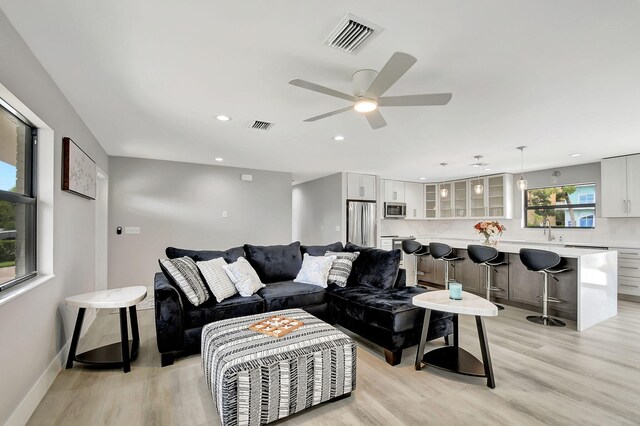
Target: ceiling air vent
352	34
261	125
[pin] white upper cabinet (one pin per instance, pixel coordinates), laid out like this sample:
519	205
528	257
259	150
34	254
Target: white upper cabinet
361	187
496	199
620	186
394	191
414	197
460	189
445	203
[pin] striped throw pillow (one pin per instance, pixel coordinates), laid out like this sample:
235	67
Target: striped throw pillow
184	272
341	267
217	279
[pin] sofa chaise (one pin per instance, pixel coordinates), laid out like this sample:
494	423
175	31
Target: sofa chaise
374	304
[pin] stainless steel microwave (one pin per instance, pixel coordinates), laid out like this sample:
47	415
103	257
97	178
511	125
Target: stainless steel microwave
395	210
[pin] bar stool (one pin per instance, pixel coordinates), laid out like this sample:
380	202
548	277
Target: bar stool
547	263
491	258
444	252
415	248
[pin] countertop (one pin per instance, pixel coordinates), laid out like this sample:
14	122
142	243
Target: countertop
555	243
507	246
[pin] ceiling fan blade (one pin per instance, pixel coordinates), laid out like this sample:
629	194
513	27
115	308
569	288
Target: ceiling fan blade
321	89
328	114
375	119
396	66
416	100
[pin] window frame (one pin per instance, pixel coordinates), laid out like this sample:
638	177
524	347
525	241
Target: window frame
27	198
527	207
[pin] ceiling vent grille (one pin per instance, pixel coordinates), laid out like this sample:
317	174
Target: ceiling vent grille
261	125
352	34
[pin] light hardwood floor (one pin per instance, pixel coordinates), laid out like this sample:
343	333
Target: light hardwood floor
543	376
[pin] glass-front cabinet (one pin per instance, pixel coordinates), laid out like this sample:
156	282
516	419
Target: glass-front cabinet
445	194
431	201
495	201
460	199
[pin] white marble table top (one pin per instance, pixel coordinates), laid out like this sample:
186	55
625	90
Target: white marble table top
469	305
115	298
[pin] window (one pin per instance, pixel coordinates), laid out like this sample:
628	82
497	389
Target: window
569	206
17	199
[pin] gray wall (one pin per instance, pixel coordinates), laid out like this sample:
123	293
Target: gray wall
318	209
181	205
36	325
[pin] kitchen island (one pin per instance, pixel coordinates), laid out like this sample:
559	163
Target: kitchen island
591	286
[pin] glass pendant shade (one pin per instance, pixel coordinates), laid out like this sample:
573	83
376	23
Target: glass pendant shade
444	192
478	189
522	183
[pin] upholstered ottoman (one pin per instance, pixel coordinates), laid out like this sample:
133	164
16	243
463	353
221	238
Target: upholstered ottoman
255	378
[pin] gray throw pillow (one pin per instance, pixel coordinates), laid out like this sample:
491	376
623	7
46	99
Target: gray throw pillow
217	279
184	272
341	267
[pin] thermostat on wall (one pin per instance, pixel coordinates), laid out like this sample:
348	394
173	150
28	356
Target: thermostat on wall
247	178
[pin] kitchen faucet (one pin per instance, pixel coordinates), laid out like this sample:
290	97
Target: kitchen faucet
547	225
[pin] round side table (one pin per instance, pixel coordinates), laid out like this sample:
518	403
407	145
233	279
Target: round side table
453	358
115	354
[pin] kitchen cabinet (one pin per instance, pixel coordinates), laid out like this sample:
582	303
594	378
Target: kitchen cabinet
394	191
465	272
431	201
414	198
430	271
445	204
628	271
361	187
620	186
496	200
460	198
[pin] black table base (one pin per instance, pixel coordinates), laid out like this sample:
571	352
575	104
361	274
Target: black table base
113	355
455	359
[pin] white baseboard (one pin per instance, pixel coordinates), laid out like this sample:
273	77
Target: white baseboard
30	402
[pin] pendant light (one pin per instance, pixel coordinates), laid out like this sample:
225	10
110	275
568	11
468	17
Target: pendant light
522	182
479	187
443	191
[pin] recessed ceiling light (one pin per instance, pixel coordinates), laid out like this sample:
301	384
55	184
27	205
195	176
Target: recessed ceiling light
575	154
338	138
487	170
223	117
423	178
219	159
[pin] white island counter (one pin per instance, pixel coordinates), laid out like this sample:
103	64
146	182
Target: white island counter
597	276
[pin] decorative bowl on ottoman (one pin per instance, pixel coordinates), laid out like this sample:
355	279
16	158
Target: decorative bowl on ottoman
255	378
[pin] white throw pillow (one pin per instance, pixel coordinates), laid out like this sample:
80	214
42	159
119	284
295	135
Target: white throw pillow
217	278
244	277
315	270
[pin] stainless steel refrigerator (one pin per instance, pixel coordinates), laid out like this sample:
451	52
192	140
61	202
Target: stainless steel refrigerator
361	223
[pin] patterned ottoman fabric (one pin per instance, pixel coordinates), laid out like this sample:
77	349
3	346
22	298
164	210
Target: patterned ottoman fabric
256	379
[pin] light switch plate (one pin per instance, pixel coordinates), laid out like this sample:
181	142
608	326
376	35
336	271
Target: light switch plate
224	213
131	230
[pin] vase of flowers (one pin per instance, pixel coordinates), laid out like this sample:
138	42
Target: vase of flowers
489	231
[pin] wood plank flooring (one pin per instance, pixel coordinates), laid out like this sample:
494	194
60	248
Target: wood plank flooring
543	376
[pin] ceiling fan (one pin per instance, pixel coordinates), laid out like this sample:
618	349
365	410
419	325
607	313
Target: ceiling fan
368	88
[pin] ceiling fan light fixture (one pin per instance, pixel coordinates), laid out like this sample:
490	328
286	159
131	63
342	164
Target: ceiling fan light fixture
365	105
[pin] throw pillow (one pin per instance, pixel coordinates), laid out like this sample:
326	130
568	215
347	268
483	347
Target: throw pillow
321	250
275	263
374	267
341	267
315	270
184	273
217	279
244	277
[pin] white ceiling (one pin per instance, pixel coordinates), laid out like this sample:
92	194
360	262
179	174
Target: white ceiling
149	77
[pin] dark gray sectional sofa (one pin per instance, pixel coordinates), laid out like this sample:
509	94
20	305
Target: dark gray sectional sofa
375	303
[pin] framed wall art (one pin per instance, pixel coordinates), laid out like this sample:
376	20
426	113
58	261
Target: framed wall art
78	170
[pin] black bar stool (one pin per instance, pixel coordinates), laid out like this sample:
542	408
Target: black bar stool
444	252
547	263
415	248
491	258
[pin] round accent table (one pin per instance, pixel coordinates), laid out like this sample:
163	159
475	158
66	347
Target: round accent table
115	354
453	358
